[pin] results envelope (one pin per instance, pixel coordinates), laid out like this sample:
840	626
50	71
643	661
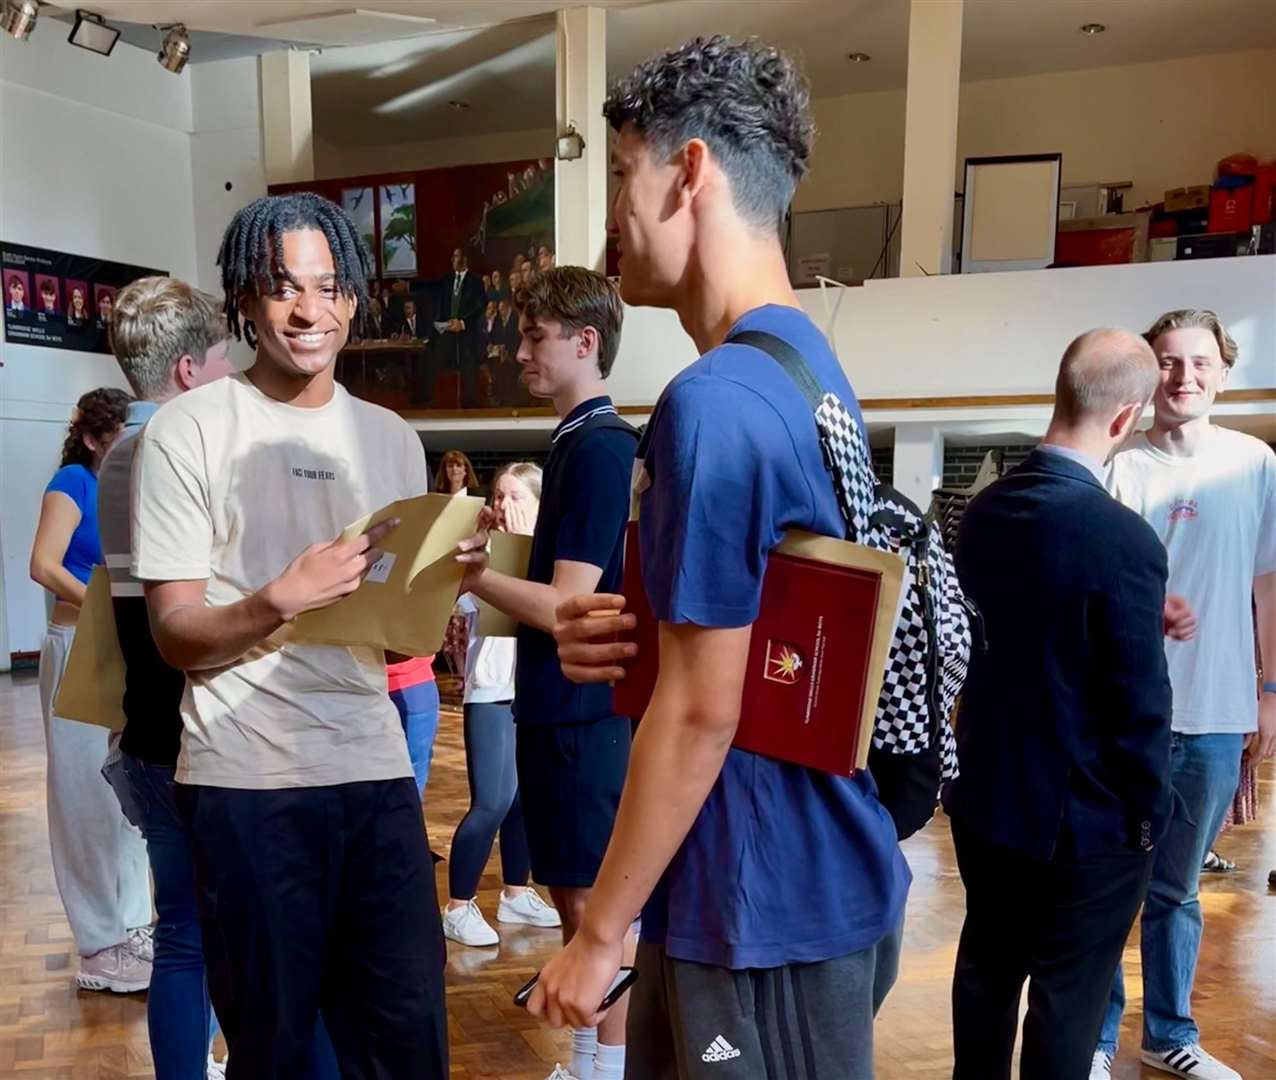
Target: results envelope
92	689
508	553
407	598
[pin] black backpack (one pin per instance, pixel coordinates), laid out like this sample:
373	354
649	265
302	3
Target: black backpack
914	751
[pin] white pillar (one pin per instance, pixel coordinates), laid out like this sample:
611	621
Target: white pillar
930	136
580	186
287	126
919	462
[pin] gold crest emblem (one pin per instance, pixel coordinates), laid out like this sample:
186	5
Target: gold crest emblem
784	662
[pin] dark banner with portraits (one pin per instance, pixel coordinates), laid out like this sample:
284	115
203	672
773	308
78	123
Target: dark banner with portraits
61	301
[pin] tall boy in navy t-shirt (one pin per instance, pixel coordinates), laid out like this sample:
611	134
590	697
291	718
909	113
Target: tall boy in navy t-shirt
571	750
774	893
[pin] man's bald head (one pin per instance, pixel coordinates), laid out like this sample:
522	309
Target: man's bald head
1102	372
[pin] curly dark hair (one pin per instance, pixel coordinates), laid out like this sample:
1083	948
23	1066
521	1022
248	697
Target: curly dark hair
252	251
747	100
100	414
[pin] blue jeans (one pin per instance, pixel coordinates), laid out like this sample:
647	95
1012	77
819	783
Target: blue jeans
419	710
1204	770
179	1013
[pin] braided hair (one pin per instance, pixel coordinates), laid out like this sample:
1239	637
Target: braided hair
253	249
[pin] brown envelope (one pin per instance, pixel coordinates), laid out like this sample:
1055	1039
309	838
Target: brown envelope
510	554
92	688
406	600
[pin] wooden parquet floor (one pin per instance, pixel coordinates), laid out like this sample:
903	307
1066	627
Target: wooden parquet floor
51	1031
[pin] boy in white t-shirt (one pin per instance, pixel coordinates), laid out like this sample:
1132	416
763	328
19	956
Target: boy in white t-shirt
1210	494
314	879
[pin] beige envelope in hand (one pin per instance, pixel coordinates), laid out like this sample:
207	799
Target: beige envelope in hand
92	688
510	554
407	598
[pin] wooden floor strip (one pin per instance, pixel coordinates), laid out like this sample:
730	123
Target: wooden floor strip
51	1031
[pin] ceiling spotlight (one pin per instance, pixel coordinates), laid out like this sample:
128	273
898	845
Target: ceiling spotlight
19	18
858	57
1092	28
459	106
176	49
90	32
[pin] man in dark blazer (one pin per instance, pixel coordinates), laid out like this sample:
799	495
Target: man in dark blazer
460	313
1064	730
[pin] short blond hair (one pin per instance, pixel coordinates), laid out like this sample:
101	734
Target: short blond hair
157	321
1196	319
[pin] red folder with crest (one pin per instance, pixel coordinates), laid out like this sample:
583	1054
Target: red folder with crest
817	653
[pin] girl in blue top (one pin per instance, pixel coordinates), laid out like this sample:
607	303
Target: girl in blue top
98	860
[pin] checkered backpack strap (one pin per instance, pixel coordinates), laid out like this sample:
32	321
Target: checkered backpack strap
846	452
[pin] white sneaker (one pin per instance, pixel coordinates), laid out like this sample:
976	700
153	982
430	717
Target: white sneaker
560	1073
216	1069
142	942
1191	1062
1101	1066
528	909
467	926
118	969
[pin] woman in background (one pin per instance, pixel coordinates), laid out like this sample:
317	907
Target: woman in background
456	475
99	860
77	312
489	756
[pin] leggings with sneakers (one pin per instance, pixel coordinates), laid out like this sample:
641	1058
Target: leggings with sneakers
494	803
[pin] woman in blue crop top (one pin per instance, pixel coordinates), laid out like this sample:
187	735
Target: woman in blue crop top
99	861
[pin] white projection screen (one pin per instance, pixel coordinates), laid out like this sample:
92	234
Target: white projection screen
1011	212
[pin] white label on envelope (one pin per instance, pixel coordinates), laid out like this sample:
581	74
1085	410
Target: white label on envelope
379	572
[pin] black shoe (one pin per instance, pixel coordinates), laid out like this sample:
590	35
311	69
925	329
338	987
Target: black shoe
1271	880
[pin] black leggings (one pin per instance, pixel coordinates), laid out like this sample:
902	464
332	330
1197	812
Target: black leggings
489	762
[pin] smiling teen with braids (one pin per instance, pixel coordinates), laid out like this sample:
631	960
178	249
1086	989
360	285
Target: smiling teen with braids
315	883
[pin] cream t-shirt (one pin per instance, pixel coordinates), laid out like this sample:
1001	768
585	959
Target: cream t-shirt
230	485
1215	512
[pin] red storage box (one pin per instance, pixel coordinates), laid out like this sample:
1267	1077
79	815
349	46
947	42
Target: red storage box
1264	182
1231	209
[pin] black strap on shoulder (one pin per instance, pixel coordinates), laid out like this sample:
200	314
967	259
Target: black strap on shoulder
787	357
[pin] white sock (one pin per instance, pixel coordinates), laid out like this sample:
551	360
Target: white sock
584	1047
610	1063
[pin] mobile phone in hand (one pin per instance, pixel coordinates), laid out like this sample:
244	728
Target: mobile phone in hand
624	979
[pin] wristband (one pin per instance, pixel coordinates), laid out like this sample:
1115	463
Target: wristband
1269	688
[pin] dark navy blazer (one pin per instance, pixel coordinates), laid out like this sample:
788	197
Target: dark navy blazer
1064	730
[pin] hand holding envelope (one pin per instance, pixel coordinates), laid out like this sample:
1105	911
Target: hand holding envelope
407	596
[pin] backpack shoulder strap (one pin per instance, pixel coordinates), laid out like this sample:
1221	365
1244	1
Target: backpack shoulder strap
784	354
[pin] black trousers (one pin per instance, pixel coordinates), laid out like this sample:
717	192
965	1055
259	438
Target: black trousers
321	900
1061	925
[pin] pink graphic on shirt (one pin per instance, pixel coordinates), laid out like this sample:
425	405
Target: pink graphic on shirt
1183	510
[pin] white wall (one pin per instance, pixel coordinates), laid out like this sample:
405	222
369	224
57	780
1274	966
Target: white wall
985	334
333	162
98	157
225	148
1162	125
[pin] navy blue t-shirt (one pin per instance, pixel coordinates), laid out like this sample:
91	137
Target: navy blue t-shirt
584	509
784	864
79	484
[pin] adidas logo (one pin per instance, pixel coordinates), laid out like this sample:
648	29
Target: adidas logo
720	1050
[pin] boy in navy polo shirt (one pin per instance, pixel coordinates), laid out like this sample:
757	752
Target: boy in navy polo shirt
571	750
774	893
